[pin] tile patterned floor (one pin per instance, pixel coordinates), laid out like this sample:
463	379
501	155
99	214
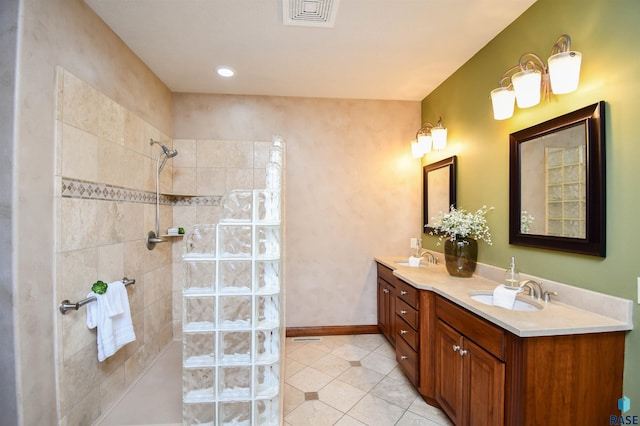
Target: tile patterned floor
349	381
331	380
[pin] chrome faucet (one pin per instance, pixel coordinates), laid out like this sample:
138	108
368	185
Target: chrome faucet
535	288
429	257
424	253
547	295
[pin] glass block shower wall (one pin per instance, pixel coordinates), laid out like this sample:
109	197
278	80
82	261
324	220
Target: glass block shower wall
232	324
566	191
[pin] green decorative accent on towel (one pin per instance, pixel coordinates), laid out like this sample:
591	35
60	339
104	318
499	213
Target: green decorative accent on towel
99	287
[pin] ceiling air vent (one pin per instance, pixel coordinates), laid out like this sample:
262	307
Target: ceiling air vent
310	13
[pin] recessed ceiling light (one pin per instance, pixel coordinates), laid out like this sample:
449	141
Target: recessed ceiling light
225	71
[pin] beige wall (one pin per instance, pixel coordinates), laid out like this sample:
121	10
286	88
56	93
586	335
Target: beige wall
8	47
352	190
56	33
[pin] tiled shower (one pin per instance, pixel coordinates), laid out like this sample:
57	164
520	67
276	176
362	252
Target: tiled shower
104	181
105	193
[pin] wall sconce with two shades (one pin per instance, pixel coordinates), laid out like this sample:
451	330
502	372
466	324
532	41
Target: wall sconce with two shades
429	137
531	79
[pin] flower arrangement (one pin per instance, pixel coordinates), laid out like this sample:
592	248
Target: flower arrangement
526	220
459	223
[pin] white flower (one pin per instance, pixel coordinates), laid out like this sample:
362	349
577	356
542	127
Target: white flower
462	224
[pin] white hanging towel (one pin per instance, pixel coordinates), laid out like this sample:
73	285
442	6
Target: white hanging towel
112	316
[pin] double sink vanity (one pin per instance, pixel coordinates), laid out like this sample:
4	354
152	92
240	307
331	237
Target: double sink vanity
541	363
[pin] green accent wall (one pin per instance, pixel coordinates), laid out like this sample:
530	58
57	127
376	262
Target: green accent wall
607	33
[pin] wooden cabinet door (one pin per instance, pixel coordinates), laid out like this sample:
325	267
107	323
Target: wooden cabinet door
386	309
469	380
483	387
383	306
448	366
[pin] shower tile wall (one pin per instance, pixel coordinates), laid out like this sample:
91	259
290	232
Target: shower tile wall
105	184
204	167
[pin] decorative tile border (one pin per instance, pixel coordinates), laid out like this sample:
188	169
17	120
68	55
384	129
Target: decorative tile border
204	200
76	188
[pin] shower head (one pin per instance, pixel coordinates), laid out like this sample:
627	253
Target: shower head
170	153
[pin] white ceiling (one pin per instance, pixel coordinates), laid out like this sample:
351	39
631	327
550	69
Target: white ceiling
377	49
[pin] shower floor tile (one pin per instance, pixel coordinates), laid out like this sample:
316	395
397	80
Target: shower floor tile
333	380
156	398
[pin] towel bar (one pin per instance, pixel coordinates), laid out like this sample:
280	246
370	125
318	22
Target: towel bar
66	306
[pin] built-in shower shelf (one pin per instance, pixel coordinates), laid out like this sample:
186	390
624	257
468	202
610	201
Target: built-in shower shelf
172	235
177	195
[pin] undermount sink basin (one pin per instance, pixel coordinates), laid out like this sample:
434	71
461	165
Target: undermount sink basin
521	303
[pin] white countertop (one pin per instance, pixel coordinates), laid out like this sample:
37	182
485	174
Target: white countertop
556	318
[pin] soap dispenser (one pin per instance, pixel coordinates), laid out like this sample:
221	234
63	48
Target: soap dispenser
418	252
511	277
414	259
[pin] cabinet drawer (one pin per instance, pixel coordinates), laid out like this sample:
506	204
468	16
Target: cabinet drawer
407	313
408	361
386	274
408	293
408	333
485	334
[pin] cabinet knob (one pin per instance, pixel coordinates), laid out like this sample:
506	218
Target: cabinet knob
463	352
456	348
404	357
403	312
403	331
385	290
402	292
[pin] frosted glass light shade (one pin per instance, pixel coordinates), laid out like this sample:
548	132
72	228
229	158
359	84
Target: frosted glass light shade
564	70
503	100
425	142
439	135
526	85
416	150
422	146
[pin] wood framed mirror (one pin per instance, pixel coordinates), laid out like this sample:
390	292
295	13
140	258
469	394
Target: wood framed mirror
439	190
557	183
